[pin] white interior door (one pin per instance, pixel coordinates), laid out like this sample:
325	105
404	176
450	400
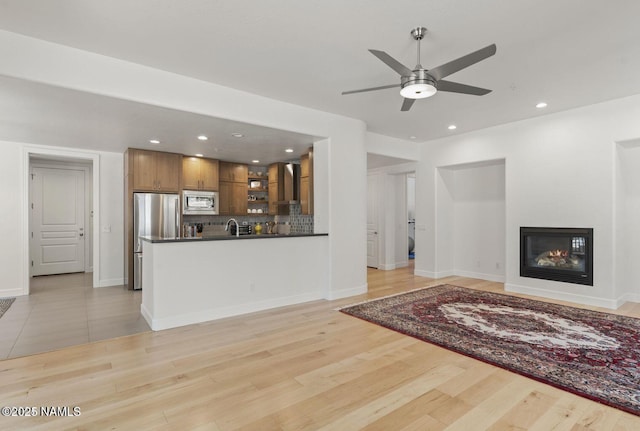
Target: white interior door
372	221
57	220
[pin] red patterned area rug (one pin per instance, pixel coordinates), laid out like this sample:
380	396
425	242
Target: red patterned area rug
591	354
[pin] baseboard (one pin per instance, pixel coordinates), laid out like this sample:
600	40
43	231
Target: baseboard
10	293
158	324
111	282
345	293
628	297
146	315
443	274
432	274
482	276
562	296
392	266
422	273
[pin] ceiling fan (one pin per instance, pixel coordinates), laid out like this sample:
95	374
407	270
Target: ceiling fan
420	83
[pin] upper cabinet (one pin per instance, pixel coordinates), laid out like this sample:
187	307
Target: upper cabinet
233	188
276	189
154	171
199	174
306	183
234	172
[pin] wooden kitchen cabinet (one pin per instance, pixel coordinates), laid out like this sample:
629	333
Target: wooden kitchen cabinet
306	183
304	195
154	171
276	189
232	198
233	188
234	172
200	174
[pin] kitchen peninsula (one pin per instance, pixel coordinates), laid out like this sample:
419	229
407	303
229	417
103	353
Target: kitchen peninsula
191	281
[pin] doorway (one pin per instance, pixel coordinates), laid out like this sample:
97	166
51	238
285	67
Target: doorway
390	215
60	217
411	214
372	222
59	213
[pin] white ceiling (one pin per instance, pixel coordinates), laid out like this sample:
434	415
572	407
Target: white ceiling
568	53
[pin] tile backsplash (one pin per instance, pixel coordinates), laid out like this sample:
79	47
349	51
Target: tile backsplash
214	225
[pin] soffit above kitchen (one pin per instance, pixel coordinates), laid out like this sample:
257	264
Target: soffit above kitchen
48	115
568	54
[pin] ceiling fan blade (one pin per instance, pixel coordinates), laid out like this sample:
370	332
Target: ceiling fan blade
383	87
407	104
392	63
454	87
454	66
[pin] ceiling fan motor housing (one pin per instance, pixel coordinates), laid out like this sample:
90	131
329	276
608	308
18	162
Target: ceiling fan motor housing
420	79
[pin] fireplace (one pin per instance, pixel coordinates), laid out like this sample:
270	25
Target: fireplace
559	254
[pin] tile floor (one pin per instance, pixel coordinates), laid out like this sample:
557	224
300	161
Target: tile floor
64	310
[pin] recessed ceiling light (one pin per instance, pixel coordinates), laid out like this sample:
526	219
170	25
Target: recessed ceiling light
289	150
255	161
541	105
412	137
199	155
202	138
452	127
237	135
154	141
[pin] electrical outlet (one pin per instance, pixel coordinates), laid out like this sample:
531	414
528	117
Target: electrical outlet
106	229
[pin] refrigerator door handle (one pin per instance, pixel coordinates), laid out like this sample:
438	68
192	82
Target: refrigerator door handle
178	219
137	282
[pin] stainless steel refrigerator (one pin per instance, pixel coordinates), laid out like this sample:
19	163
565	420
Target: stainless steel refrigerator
156	215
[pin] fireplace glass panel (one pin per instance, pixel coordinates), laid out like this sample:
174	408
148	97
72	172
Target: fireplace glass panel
564	253
559	254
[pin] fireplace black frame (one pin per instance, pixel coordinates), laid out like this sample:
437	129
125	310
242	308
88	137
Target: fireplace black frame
578	277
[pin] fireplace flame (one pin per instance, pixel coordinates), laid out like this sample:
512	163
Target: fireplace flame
558	253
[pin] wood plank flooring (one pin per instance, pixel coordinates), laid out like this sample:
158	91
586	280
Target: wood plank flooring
303	367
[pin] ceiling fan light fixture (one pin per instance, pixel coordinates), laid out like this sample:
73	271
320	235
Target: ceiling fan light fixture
418	91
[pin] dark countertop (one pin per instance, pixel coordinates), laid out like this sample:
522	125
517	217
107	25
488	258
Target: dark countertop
155	239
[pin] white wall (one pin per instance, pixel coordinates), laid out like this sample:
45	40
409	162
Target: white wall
12	253
442	242
411	196
392	147
559	172
627	272
479	221
400	219
345	147
14	212
111	218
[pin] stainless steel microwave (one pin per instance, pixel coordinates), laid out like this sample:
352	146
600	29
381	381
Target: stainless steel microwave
199	202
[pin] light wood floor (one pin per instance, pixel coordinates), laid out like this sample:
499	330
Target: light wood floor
304	367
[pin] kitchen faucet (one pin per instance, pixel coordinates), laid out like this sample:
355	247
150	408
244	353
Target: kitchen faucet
237	226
